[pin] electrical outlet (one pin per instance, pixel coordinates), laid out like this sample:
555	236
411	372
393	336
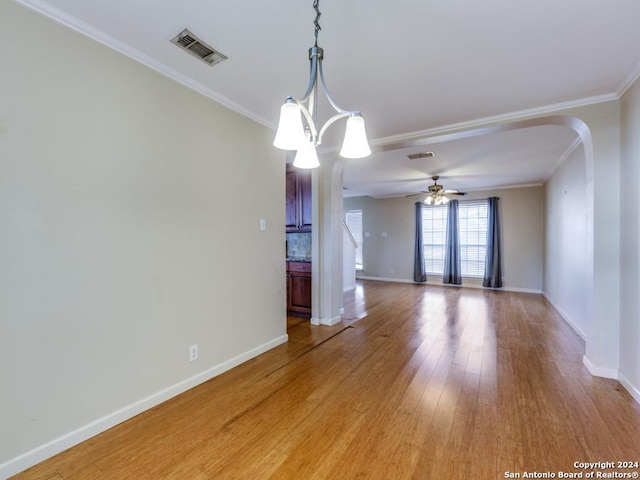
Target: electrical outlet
193	353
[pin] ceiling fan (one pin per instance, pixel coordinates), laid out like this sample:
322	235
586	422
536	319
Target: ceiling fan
436	193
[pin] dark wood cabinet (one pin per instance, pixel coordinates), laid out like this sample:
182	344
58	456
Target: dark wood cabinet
299	288
298	216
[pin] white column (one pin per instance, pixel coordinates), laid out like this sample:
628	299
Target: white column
327	242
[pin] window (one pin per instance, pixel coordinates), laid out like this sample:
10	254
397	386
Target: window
472	217
434	230
354	222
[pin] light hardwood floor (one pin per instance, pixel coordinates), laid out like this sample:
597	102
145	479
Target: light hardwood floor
421	382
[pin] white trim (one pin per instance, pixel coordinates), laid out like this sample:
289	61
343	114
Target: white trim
348	230
83	28
535	291
68	440
330	322
635	393
502	289
384	279
99	36
629	81
468	190
504	187
565	317
614	375
440	284
577	142
599	371
417	138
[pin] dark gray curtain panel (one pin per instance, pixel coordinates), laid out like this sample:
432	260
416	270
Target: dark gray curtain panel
419	274
493	260
452	263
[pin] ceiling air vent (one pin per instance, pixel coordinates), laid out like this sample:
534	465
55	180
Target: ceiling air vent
415	156
196	47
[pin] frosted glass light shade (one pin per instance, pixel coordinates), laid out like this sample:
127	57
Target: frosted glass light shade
445	200
355	143
306	156
428	200
290	134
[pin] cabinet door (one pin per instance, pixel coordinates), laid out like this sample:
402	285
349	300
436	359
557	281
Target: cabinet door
291	200
304	197
300	293
299	288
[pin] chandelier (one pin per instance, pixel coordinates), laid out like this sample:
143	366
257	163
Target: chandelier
293	135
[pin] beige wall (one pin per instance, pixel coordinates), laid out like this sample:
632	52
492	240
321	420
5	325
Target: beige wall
566	257
630	241
125	238
601	143
391	256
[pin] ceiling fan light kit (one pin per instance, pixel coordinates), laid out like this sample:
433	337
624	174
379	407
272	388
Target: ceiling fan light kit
292	134
436	193
436	199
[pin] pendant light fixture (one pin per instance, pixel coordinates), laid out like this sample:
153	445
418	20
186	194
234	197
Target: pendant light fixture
292	134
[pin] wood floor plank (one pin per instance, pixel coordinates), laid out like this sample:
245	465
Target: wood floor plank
418	382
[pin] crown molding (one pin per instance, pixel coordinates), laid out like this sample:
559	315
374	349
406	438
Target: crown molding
390	143
101	37
629	81
510	186
570	149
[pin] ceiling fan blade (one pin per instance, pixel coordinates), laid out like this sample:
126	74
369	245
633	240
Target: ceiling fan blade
416	194
437	189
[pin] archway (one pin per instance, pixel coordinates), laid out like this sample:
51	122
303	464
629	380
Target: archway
328	282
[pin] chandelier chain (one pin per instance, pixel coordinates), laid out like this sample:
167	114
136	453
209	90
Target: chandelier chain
316	22
298	127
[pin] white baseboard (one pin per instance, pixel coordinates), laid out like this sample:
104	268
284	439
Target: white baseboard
613	374
385	279
594	370
60	444
503	289
440	284
633	390
600	371
566	318
326	321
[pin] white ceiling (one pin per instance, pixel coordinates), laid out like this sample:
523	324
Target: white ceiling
411	66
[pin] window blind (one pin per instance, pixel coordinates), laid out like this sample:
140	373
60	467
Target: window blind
472	222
